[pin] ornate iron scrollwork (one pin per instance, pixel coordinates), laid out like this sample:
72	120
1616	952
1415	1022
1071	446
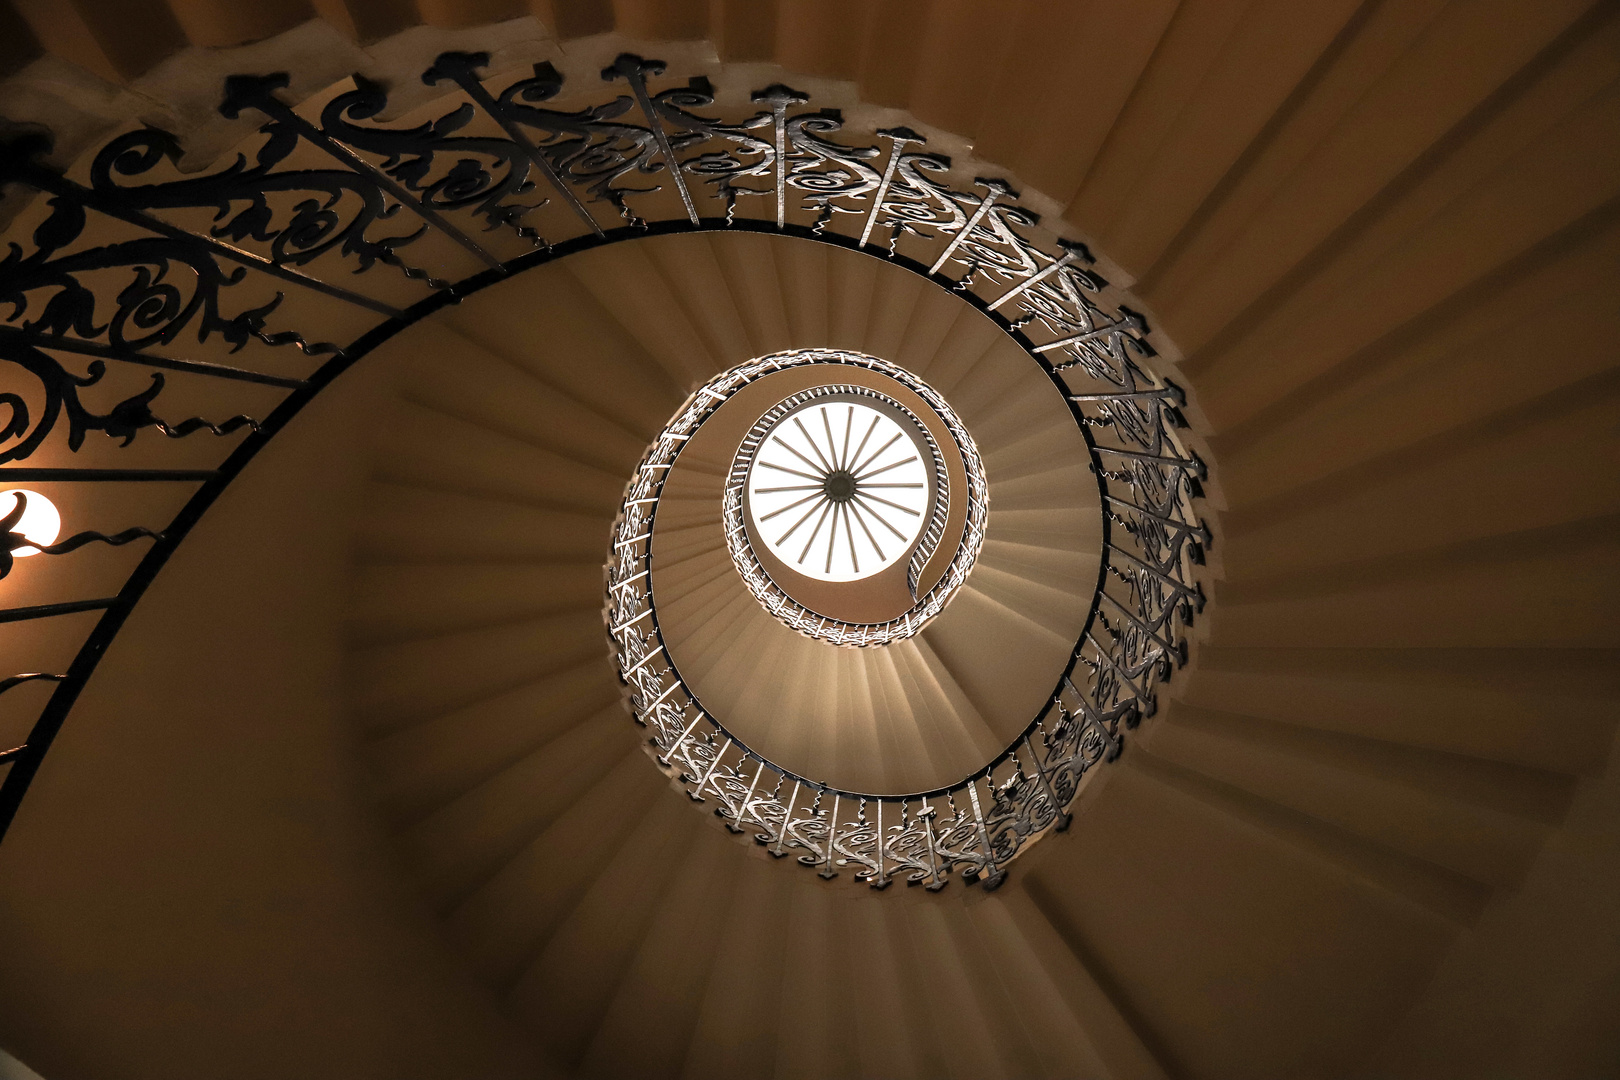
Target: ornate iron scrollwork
320	201
15	541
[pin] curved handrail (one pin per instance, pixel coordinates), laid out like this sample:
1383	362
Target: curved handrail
772	597
588	177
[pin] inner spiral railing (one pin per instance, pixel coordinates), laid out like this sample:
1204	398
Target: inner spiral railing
125	259
771	596
751	454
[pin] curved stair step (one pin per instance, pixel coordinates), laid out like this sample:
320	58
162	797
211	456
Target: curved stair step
494	392
427	448
1535	712
1160	884
1532	589
694	270
626	281
433	762
394	686
509	920
804	272
1070	1027
1542	468
754	284
395	602
461	845
565	991
549	323
734	1032
395	519
1395	797
1431	257
1441	381
1334	161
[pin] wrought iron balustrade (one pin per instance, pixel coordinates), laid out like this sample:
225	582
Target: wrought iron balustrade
128	265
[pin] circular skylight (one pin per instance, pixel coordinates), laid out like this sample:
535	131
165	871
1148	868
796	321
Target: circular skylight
840	490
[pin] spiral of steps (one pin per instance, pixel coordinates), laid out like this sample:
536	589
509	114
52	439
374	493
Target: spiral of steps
629	933
355	793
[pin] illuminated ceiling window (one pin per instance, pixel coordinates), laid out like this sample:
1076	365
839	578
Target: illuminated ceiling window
842	486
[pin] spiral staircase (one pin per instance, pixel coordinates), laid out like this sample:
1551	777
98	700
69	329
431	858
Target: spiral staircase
354	791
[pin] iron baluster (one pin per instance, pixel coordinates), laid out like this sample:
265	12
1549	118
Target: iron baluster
258	92
1194	594
54	183
787	818
665	758
1199	530
130	356
17	680
633	69
779	97
882	881
625	625
1172	648
1191	463
1169	391
1063	817
898	138
46	611
1073	251
462	69
736	825
696	795
1109	736
28	676
994	189
1116	329
926	816
658	648
1140	693
827	870
994	878
630	580
674	686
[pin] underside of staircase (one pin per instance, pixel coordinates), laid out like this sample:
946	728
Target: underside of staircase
355	792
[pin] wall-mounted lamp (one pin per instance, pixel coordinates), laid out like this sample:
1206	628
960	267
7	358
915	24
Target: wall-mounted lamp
39	522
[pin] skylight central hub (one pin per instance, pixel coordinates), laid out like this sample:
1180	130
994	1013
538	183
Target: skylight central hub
843	484
840	486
